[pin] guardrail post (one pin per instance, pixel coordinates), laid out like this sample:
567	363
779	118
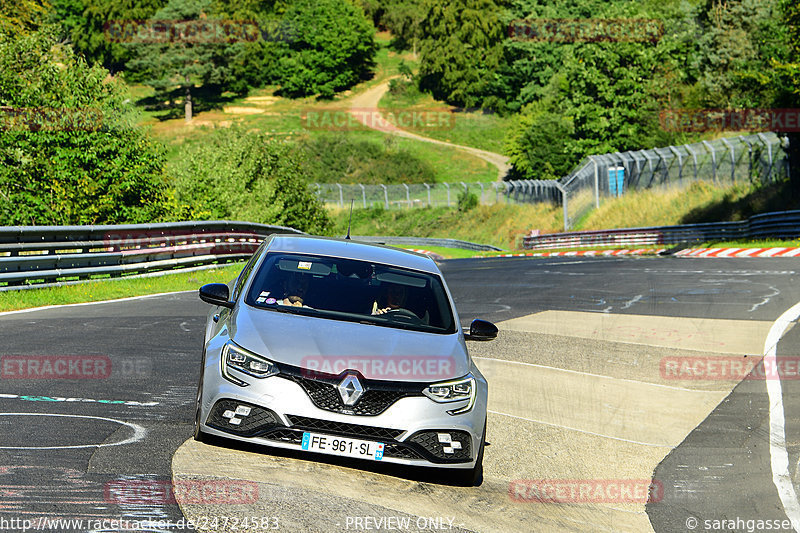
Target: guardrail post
694	158
713	159
749	156
680	161
428	187
769	153
363	194
650	166
733	158
447	186
563	191
385	196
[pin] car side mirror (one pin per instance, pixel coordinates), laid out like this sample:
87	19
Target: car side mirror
216	294
481	330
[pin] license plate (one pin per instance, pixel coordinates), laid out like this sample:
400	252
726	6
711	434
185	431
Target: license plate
362	449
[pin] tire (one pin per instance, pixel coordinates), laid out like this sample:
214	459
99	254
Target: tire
198	435
474	476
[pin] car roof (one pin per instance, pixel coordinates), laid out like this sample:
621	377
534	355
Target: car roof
350	249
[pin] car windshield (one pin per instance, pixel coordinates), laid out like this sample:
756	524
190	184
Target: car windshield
352	290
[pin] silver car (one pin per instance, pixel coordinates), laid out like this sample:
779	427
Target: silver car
337	347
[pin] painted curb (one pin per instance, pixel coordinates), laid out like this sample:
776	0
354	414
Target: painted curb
739	252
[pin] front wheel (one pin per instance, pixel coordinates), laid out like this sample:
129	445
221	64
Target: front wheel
198	435
474	476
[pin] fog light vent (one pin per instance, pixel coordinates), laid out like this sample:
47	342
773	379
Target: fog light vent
447	445
241	418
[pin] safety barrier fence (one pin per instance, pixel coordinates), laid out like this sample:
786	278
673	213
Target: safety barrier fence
44	255
778	225
759	158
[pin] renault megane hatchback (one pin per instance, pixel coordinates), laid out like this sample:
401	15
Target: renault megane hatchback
337	347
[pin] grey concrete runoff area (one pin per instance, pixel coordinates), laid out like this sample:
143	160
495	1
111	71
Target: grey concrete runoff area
626	394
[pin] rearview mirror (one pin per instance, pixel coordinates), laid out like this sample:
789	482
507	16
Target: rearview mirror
216	294
481	330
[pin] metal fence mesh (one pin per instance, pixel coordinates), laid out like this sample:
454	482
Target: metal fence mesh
759	158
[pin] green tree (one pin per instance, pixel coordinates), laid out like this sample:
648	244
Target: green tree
69	152
183	62
22	16
86	23
538	143
331	47
460	50
738	40
787	75
233	174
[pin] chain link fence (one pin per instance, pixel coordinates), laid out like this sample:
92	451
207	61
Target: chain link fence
759	158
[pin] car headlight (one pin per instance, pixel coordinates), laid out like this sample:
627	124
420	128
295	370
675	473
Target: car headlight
237	358
454	391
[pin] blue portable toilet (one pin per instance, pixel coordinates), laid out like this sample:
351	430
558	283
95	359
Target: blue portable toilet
616	180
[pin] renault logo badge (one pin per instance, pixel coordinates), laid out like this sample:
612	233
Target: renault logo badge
350	389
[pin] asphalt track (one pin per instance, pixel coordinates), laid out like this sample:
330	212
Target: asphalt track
578	394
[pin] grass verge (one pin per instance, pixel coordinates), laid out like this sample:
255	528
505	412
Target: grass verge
112	289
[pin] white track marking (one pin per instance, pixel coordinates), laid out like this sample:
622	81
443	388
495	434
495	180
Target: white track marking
682	389
582	430
138	433
779	457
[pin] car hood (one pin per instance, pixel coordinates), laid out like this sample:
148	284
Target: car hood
332	346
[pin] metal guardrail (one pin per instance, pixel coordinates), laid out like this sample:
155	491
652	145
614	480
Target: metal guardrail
780	225
429	241
36	256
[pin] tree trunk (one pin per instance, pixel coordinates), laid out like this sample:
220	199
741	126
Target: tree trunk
187	105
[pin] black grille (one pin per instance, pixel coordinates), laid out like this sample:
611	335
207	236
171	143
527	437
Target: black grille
285	435
344	429
378	396
399	451
255	422
430	443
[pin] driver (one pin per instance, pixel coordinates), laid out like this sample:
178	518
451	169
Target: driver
395	297
295	288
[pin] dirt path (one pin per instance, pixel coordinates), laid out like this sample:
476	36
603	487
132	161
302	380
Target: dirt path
366	105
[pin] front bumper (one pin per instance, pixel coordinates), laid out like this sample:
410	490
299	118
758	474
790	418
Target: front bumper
278	410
